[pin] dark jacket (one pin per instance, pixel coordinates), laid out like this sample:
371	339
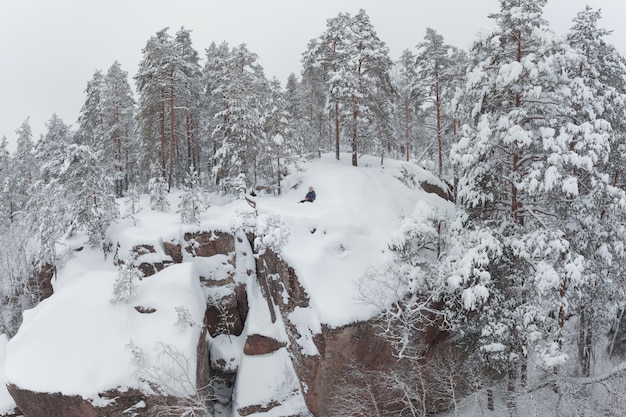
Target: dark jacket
310	196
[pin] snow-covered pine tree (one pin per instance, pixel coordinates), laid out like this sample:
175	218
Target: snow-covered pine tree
407	102
192	201
276	140
133	201
189	93
215	59
46	214
329	53
91	128
537	181
595	137
242	86
313	123
158	191
514	85
370	98
125	285
7	198
355	65
23	168
89	194
120	146
436	71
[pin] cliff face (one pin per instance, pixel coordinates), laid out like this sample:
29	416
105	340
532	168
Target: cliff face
260	307
235	283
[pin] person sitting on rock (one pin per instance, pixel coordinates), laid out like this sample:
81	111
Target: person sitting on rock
310	196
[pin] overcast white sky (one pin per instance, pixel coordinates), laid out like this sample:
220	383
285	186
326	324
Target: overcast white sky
49	49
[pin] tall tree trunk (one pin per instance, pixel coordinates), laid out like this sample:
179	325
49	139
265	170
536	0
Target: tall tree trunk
189	141
162	128
337	131
585	337
439	138
406	126
172	137
355	118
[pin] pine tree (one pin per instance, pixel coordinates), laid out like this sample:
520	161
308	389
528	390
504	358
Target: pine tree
277	139
355	66
120	145
154	115
92	130
514	81
125	285
596	133
46	213
23	168
158	191
434	77
242	86
6	201
88	194
192	201
408	101
536	181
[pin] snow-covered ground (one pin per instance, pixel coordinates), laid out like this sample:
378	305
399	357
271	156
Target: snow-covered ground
79	342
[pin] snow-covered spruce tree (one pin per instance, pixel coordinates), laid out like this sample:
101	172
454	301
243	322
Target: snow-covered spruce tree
133	201
90	195
158	191
106	123
18	291
533	159
125	285
46	214
23	169
192	201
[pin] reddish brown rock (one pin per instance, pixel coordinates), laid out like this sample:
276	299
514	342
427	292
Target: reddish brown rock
37	404
257	344
228	314
209	243
174	251
436	189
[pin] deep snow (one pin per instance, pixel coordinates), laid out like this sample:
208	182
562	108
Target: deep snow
78	342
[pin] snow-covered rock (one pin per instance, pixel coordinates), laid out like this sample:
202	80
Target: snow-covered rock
269	294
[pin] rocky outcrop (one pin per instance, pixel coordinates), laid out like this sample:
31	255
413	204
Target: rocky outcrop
257	344
37	404
442	192
320	358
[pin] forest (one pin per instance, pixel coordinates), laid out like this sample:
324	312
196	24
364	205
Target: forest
528	130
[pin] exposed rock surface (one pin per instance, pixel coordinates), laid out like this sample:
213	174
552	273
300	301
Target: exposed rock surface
320	358
36	404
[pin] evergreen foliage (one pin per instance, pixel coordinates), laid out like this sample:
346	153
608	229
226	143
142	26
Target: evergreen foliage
158	191
192	201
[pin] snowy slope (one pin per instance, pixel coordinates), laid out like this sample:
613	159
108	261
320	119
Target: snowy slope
93	345
80	343
355	212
